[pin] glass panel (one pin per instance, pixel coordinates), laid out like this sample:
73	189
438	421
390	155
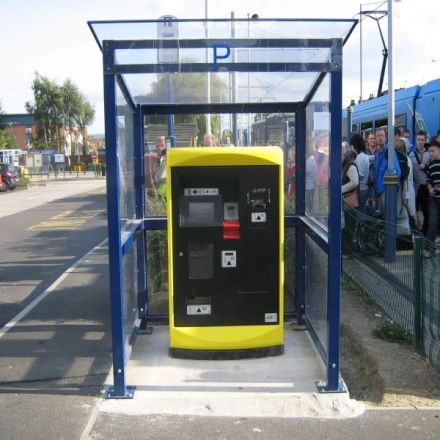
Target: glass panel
201	55
243	28
318	150
225	87
316	289
130	286
304	42
289	270
157	272
125	147
276	129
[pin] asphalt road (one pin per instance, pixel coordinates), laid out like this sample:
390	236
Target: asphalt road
40	243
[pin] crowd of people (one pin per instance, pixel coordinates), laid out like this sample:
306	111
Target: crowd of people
416	172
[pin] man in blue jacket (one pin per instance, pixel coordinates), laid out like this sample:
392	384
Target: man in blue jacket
380	168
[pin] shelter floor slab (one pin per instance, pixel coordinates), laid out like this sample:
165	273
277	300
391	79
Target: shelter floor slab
280	386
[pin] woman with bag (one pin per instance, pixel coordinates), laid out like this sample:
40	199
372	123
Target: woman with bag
350	197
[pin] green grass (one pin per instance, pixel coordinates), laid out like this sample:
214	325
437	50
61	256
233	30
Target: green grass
348	284
394	333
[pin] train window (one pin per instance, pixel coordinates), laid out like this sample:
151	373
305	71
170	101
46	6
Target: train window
400	121
366	125
366	133
381	123
421	126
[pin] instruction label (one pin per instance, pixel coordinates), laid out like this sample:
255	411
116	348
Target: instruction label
198	309
258	217
201	191
229	259
271	317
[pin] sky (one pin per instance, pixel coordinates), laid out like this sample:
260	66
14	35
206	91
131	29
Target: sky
52	37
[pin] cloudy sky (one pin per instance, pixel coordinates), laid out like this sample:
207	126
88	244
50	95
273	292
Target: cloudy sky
52	37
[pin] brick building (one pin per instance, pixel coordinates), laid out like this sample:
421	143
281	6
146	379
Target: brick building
22	128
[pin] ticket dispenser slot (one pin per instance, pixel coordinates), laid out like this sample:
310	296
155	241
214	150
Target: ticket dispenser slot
225	261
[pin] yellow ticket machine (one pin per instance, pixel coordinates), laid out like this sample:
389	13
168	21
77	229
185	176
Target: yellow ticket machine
225	248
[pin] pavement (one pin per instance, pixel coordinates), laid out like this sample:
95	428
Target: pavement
44	189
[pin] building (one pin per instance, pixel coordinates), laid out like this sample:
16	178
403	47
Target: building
22	128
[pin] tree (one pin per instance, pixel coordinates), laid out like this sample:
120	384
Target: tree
46	110
7	140
190	88
84	117
55	107
77	111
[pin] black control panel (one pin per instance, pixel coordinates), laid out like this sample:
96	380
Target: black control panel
225	245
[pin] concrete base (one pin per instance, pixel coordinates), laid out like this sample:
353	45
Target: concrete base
283	386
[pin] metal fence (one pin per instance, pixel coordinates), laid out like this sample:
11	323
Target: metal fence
407	289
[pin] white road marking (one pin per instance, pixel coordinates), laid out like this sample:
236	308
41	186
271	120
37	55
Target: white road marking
17	318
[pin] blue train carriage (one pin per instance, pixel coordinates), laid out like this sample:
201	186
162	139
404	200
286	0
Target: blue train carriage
416	108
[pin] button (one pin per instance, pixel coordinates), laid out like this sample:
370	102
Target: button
231	230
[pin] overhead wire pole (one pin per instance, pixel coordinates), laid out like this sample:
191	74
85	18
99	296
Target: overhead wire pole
371	14
391	178
234	90
208	75
360	54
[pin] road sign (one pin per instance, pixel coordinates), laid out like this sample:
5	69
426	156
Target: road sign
167	29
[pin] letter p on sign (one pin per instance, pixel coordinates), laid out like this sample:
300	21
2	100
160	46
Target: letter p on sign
221	56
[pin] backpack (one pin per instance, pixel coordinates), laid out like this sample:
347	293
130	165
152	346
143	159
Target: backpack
404	168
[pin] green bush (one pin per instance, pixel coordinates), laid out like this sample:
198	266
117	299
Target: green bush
23	182
395	333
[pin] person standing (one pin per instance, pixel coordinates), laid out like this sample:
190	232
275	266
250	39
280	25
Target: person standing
160	166
370	150
311	174
407	137
371	144
406	210
350	185
420	159
363	166
381	167
433	184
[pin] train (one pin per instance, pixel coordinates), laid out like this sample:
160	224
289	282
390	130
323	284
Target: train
417	108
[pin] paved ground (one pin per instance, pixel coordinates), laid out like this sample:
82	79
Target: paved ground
44	190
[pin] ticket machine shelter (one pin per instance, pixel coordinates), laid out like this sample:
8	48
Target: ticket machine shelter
257	75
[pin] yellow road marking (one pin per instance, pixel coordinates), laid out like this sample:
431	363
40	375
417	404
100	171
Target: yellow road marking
67	220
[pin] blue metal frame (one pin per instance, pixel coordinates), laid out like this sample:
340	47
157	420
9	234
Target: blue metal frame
119	388
305	225
140	197
300	210
334	237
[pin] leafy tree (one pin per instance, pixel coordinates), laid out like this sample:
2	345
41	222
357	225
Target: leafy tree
190	88
46	110
72	99
84	117
7	140
57	106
